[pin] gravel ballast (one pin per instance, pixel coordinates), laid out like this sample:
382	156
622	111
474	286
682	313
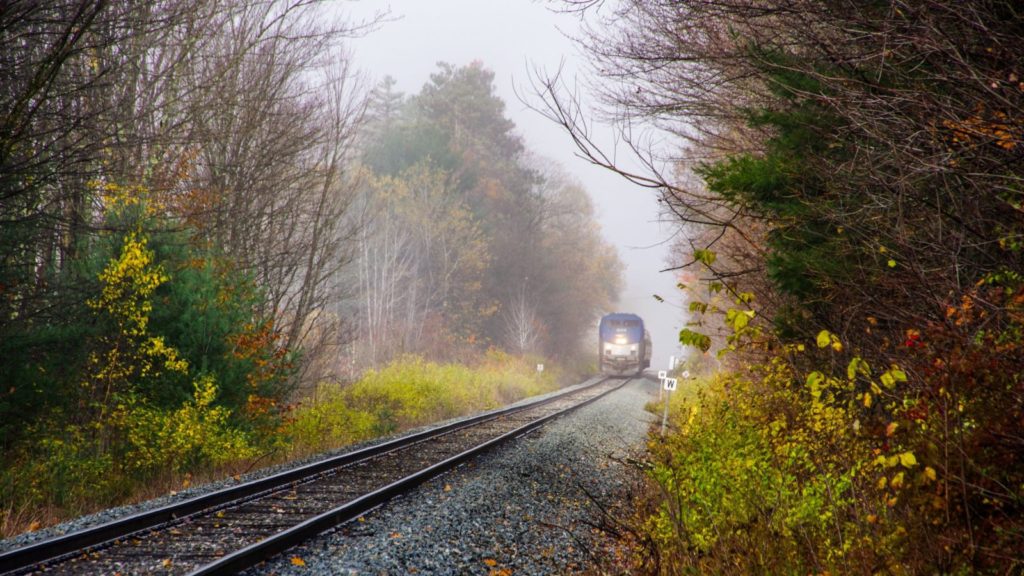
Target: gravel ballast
529	507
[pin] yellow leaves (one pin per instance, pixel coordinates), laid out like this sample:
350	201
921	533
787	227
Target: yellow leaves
155	348
826	338
297	561
814	382
891	263
739	319
172	439
447	487
857	366
867	399
886	461
166	562
893	376
897	481
823	338
908	460
891	429
929	473
491	562
905	459
128	283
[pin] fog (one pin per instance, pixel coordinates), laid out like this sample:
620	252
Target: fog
513	38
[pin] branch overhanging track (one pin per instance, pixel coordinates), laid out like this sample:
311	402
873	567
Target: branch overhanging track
231	529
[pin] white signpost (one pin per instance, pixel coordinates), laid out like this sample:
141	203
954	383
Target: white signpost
667	385
540	367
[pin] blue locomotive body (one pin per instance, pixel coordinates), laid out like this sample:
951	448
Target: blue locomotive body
624	346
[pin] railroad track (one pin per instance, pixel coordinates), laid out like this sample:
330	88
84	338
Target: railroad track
229	530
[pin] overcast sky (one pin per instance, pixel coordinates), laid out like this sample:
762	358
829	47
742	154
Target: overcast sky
511	37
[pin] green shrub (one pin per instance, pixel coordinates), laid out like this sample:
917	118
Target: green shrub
759	476
195	435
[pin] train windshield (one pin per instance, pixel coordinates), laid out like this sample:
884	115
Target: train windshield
630	329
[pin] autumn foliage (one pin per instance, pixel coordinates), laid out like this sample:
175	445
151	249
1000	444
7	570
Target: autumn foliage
847	180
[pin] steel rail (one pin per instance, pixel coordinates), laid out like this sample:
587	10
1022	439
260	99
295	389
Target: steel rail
263	550
74	543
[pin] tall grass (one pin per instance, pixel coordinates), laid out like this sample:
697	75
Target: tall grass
411	392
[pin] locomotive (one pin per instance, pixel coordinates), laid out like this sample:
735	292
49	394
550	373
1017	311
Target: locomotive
624	346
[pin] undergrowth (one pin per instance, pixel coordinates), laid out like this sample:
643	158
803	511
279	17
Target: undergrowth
815	461
142	451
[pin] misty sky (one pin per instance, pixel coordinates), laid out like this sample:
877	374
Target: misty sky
511	37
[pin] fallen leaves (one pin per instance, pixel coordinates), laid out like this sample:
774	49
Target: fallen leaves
296	561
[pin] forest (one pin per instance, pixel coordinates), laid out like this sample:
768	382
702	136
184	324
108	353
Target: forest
220	248
851	179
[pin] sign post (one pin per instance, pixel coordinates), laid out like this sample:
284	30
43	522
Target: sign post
662	374
669	386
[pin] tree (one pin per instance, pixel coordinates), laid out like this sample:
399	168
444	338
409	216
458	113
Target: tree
849	170
534	224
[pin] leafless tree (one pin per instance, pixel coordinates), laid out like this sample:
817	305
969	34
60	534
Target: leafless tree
522	328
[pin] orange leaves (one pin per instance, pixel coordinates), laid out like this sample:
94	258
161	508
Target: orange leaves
985	126
297	561
260	344
492	563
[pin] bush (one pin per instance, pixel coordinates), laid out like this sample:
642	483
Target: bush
859	470
195	435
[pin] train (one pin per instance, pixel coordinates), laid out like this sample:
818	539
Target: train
624	345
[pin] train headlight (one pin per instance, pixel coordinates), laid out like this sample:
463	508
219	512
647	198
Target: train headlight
620	339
